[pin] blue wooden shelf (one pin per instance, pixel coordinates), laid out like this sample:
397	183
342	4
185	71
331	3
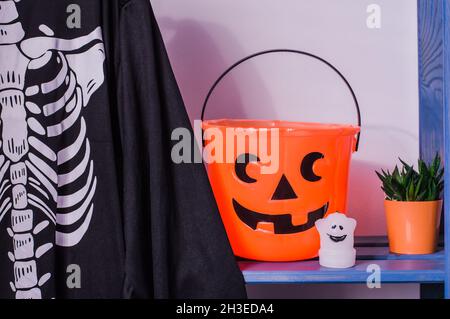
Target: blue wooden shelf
394	269
434	98
382	253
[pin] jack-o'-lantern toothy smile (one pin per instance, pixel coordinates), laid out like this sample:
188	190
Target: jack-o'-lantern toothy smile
282	224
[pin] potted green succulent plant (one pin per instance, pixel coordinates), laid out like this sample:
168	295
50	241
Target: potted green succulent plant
413	206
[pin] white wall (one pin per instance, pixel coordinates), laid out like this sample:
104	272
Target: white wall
333	291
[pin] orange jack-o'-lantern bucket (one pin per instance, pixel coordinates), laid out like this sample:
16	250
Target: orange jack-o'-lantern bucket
269	204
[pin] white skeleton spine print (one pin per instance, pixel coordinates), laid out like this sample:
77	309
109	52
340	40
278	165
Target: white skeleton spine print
46	172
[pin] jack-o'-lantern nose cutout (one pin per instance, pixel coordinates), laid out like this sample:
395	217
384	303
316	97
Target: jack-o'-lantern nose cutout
284	190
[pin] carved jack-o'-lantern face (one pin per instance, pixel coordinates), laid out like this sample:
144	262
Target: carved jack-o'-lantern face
271	216
283	223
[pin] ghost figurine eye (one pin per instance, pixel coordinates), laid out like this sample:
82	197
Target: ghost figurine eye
336	241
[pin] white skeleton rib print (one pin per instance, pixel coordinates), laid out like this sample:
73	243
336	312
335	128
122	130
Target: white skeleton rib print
45	157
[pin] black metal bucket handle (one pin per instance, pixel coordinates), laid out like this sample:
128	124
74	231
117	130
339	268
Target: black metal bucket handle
205	103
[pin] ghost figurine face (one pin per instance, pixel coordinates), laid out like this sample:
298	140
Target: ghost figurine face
336	241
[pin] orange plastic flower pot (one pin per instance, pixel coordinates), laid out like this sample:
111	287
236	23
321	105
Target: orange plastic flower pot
413	227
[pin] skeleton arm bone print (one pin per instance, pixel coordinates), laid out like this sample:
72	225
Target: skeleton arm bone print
45	157
87	65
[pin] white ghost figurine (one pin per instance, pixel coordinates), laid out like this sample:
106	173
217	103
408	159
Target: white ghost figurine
336	241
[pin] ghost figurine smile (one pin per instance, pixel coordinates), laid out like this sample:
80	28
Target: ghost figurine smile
336	241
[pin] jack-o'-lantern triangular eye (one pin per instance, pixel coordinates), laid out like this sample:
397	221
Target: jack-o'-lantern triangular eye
284	190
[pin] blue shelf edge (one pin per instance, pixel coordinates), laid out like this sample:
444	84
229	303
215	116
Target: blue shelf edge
382	253
393	269
434	273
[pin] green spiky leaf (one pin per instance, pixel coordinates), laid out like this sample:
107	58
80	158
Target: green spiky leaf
407	184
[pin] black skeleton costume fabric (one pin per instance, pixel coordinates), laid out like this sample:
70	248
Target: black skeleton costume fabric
91	205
